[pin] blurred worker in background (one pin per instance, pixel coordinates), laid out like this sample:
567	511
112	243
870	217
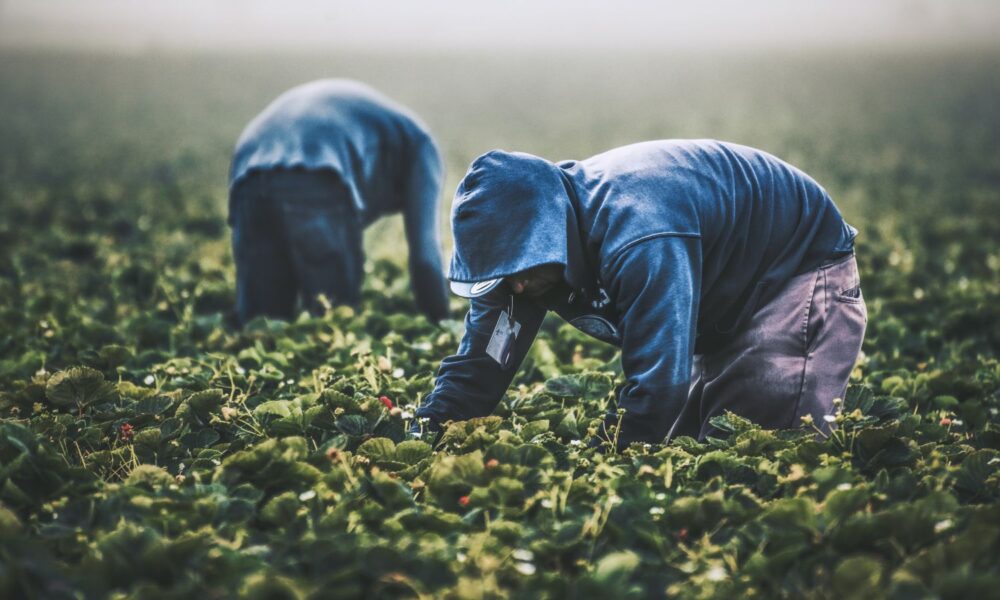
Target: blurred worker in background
309	173
726	276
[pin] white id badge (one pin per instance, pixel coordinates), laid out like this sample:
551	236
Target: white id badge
501	346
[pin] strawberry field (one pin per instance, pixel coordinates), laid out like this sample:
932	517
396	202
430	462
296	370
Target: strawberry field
149	449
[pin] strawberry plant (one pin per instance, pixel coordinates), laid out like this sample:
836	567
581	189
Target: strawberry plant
150	449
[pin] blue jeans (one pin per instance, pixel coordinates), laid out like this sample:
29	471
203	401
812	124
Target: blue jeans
296	235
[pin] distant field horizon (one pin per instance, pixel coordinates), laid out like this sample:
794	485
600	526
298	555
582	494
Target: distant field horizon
571	105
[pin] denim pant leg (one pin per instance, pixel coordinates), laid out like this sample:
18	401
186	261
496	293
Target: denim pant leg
265	283
836	343
794	356
325	237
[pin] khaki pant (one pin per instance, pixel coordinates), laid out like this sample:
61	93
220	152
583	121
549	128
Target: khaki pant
792	359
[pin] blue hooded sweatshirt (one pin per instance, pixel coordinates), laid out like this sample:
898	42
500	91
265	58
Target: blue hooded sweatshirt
382	152
667	248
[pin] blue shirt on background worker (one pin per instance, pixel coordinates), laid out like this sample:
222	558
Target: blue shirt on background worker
309	173
726	276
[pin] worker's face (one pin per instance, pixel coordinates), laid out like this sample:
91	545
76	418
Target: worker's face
535	281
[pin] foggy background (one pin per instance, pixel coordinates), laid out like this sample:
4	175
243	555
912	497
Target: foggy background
138	103
140	25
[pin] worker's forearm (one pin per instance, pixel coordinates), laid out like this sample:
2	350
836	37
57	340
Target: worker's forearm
471	382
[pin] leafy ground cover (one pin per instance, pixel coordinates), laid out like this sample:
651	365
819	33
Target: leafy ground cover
148	449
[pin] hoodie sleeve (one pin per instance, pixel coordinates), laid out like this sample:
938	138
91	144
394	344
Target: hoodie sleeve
470	383
655	285
422	190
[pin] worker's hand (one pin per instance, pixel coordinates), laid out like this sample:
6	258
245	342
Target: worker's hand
429	291
426	430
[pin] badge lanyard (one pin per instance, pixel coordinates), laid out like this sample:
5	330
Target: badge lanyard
501	345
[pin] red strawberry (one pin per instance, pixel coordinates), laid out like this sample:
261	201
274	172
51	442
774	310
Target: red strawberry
463	501
386	401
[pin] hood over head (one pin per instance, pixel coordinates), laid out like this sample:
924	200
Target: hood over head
514	211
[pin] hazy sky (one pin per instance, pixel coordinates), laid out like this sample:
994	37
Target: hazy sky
420	24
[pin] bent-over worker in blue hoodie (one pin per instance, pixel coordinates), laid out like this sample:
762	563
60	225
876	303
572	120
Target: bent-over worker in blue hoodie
726	276
309	173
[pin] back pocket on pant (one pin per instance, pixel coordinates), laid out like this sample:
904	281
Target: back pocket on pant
317	238
850	295
321	233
